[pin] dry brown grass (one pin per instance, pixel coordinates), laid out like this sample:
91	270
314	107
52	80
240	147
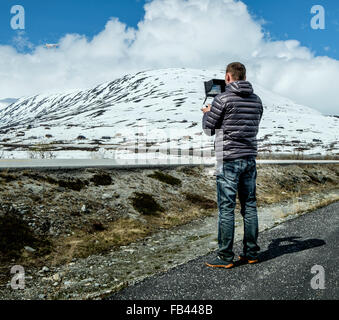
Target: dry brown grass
83	244
312	207
275	184
122	232
292	182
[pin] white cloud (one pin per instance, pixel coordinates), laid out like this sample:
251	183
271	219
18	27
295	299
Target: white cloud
175	33
21	41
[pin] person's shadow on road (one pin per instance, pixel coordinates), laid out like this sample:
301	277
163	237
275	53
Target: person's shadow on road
276	249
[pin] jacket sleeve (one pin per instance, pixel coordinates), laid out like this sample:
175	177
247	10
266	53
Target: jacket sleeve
212	120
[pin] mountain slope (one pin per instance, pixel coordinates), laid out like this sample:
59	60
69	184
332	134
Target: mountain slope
6	102
160	105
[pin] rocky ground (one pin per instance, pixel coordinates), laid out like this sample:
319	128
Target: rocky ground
86	233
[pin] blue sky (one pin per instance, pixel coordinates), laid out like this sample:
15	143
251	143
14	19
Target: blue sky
48	21
290	19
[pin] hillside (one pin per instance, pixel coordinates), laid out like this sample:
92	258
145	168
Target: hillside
155	108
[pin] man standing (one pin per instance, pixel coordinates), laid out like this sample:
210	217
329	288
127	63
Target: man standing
234	119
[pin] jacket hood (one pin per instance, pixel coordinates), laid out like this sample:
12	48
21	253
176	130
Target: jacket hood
242	88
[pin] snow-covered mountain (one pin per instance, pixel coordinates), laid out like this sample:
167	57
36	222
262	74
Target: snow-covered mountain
6	102
156	108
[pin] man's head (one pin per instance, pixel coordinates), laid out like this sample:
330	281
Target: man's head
235	71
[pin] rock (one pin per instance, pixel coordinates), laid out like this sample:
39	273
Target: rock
45	269
86	280
41	296
46	279
56	277
106	196
129	250
68	284
29	249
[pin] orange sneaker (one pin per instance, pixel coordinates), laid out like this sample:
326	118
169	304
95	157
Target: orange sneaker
219	263
243	259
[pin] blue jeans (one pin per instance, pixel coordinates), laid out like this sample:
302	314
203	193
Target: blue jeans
234	176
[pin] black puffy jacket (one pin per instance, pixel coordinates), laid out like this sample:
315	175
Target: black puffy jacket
234	118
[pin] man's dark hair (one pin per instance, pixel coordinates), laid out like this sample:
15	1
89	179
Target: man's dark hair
237	70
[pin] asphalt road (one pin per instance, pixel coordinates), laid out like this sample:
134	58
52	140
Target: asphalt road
288	253
128	164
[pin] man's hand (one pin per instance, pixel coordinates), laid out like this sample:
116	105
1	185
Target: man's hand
206	109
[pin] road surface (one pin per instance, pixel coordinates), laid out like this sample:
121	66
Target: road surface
128	164
289	252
